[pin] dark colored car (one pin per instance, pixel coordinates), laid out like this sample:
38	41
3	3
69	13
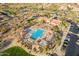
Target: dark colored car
65	44
68	35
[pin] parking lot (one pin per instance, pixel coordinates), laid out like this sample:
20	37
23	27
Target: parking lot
71	49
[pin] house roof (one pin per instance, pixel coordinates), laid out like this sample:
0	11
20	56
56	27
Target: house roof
55	22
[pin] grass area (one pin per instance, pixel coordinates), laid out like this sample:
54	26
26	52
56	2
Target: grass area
15	51
11	11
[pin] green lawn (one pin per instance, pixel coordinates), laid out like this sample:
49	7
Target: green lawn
15	51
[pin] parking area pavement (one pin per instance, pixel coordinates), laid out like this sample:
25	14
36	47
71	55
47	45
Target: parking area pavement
72	48
74	28
72	45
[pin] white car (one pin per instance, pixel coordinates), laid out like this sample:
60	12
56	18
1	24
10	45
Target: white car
77	42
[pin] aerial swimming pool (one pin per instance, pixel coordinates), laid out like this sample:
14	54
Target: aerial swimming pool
37	34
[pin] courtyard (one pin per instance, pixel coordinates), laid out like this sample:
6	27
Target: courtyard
39	37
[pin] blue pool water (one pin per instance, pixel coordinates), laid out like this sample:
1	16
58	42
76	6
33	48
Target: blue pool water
37	34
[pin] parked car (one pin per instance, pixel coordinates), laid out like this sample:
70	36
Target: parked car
65	43
68	35
77	42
